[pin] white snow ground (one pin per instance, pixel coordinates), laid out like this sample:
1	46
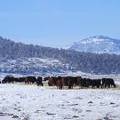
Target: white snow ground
29	102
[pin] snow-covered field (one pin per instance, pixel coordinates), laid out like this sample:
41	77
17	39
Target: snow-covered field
29	102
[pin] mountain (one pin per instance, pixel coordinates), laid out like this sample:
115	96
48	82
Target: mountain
98	44
19	58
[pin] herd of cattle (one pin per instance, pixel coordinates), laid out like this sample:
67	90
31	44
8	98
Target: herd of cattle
61	82
26	80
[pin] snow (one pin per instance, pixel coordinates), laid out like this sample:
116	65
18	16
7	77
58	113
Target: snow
97	44
29	102
32	65
91	40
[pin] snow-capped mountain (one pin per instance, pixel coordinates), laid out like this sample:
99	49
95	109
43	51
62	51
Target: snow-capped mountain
98	44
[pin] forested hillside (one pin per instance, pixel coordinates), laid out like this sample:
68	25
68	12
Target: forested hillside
85	62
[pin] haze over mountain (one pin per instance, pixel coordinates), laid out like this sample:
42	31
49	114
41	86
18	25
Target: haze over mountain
98	44
31	59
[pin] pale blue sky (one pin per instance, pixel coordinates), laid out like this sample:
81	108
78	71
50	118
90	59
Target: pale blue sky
58	23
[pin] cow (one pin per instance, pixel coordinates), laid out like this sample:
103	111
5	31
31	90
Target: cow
85	82
71	81
52	81
21	79
56	81
8	79
39	81
30	80
95	83
46	78
108	82
59	82
67	81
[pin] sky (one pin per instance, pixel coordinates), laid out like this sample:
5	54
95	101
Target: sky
58	23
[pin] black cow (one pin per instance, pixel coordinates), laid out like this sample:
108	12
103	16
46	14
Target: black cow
30	80
85	82
21	79
39	81
95	83
108	82
8	79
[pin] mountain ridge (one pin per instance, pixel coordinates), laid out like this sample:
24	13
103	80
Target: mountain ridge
97	44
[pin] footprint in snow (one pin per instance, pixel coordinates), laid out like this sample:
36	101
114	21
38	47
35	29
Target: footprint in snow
67	118
38	111
79	98
72	104
75	116
88	110
90	102
48	113
15	116
116	106
3	99
112	103
77	110
63	94
103	104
